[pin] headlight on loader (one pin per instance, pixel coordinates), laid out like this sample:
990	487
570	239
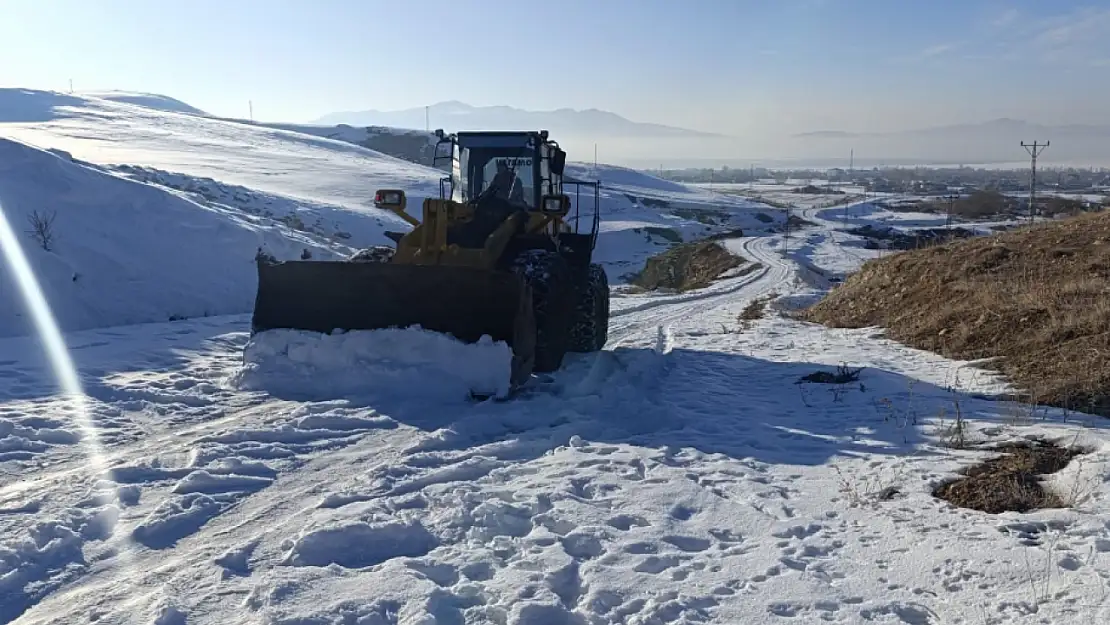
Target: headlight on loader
555	204
390	198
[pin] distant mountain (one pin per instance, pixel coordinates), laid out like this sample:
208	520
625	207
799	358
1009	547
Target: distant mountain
454	116
997	140
997	127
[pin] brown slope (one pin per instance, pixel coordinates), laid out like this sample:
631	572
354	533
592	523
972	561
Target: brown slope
1038	299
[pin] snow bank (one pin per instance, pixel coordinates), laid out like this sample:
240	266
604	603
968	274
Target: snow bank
122	252
411	362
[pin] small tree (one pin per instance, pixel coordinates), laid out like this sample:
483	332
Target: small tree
42	229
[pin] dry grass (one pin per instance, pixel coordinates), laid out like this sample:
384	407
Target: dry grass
687	266
755	310
1036	299
1010	482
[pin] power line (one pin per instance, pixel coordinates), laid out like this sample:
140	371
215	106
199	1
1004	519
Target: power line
1034	151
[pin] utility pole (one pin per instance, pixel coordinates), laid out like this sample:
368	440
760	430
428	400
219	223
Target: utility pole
71	85
951	197
1034	151
250	108
786	233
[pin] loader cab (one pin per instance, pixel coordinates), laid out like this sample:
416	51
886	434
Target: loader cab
524	167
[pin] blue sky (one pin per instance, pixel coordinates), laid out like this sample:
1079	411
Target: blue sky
737	65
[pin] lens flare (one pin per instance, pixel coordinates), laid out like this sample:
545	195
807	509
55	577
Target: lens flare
50	336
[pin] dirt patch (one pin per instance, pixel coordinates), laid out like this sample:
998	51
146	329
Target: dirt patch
649	202
815	190
894	239
842	375
707	216
728	234
1036	300
794	221
687	266
755	310
1010	482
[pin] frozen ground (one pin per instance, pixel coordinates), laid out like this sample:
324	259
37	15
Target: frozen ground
682	475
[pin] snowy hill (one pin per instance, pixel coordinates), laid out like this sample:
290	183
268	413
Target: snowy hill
321	181
148	100
111	251
291	164
415	146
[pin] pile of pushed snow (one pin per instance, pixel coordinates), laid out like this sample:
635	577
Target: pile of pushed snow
110	251
410	362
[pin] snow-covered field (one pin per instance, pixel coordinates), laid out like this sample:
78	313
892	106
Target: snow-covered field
111	251
181	244
682	475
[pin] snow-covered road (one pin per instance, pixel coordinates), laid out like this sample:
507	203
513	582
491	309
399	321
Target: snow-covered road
680	476
224	470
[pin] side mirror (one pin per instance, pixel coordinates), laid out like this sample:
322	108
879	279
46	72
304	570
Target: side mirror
444	149
390	199
558	162
555	204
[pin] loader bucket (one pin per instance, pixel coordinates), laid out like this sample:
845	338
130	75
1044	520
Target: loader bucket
466	303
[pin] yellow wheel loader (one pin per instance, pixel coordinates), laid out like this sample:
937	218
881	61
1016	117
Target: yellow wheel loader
498	253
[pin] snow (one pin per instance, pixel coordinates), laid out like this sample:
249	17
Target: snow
351	134
124	252
222	188
681	475
369	363
146	100
280	162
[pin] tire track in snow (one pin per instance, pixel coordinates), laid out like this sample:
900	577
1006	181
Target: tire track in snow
649	315
293	498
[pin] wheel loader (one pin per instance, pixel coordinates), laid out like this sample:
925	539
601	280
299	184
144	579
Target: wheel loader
499	253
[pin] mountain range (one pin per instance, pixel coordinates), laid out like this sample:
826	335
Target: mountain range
998	127
993	141
454	116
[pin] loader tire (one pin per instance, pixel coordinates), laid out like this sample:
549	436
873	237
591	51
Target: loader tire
373	254
549	276
589	331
